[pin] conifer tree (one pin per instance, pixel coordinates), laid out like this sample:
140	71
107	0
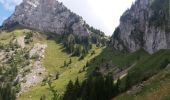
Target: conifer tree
56	95
77	88
70	92
109	86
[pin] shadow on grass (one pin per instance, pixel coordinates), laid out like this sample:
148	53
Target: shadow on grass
113	58
107	55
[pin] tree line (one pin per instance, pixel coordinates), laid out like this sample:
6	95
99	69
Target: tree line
94	88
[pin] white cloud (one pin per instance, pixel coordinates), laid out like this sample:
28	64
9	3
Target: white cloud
10	4
102	14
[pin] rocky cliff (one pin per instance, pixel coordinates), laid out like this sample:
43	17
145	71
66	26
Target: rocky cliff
145	25
47	16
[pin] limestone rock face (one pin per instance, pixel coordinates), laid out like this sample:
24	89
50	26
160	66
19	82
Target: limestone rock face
47	16
145	25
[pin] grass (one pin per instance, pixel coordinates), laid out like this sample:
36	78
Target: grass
6	37
156	88
119	59
149	66
53	62
54	57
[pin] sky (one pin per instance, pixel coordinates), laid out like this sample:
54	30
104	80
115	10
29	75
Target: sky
101	14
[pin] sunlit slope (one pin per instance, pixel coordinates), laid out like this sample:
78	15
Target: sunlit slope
54	63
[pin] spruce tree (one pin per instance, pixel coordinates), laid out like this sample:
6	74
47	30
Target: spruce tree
56	95
70	61
70	92
117	87
43	97
109	86
65	63
77	88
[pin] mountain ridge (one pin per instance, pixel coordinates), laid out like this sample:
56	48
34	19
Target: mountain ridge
144	25
47	16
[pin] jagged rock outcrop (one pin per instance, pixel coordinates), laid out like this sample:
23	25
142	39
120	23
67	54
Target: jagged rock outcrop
145	25
47	16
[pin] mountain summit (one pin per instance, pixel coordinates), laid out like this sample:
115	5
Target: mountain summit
145	25
47	16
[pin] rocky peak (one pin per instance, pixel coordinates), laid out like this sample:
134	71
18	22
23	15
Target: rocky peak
144	25
47	16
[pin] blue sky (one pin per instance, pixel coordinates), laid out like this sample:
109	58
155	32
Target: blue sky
102	14
6	8
4	13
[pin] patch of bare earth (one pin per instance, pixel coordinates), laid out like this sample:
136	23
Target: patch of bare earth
36	72
20	41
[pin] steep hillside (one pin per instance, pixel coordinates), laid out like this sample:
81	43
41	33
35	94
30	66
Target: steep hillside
145	25
55	63
156	88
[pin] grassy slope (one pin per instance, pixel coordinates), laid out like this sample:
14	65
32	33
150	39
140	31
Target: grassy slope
5	37
120	59
148	66
156	87
54	61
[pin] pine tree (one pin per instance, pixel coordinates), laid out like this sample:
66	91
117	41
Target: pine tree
87	64
57	76
128	84
86	87
77	88
43	97
117	87
70	92
56	95
7	92
70	61
1	97
99	84
65	63
93	95
109	86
